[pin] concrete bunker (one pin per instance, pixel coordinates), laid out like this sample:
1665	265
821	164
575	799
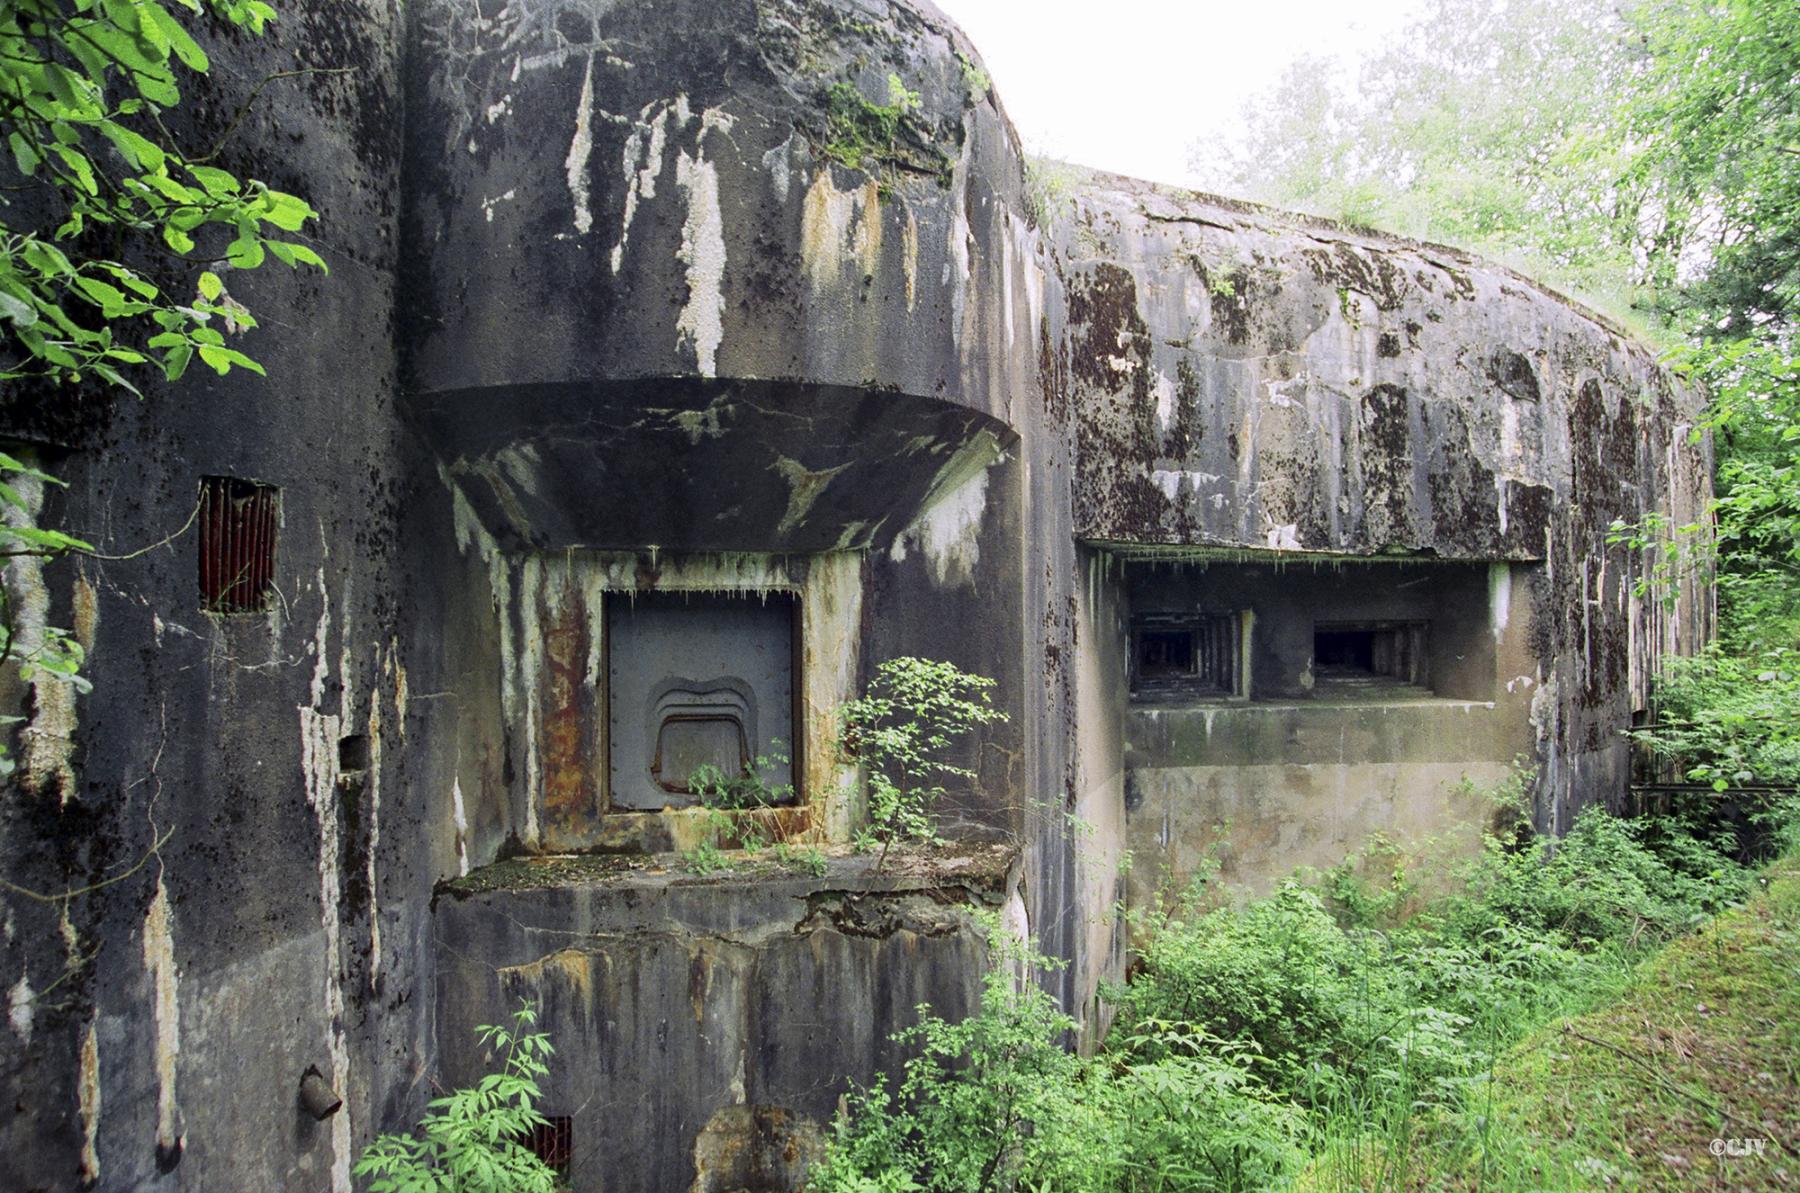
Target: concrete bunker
739	375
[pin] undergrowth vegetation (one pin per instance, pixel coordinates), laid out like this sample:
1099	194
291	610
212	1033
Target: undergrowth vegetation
1334	1034
476	1139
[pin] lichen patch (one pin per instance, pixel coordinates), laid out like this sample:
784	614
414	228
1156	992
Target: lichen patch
700	327
581	148
165	1010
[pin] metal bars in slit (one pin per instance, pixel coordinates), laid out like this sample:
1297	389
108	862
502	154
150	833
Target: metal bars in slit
1186	655
238	523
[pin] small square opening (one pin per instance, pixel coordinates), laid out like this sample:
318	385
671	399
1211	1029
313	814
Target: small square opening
1165	653
1177	656
1344	650
238	524
353	753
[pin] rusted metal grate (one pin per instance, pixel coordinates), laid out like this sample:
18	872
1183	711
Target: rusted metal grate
238	523
553	1141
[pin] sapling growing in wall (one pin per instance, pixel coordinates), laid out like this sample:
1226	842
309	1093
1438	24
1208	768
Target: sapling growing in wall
901	729
747	789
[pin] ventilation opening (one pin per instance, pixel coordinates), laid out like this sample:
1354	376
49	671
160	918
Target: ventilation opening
1344	650
353	753
1359	656
238	522
1186	657
553	1141
1165	653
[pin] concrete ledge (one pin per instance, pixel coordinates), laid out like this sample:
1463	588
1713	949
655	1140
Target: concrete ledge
1304	732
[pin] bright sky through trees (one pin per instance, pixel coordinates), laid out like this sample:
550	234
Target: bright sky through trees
1130	85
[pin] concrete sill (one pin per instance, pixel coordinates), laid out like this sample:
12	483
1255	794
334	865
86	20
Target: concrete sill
1423	700
978	867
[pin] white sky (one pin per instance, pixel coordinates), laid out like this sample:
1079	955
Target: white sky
1129	85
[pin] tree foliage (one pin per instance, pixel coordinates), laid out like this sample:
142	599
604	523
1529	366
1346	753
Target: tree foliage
1716	105
84	87
1489	125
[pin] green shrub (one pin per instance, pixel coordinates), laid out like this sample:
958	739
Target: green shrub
1279	976
999	1102
1314	1033
901	730
1611	881
472	1140
1730	720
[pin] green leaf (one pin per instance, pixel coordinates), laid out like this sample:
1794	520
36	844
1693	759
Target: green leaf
114	377
142	151
160	182
286	211
210	285
290	253
78	164
222	360
218	182
25	154
246	252
16	311
176	37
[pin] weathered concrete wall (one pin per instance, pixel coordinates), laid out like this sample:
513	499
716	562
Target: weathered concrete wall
1263	789
227	905
1099	815
706	1028
662	172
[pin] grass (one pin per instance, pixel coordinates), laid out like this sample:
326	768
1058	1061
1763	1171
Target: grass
1691	1051
1704	1046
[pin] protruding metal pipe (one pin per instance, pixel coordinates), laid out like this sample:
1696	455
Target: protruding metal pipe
317	1096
